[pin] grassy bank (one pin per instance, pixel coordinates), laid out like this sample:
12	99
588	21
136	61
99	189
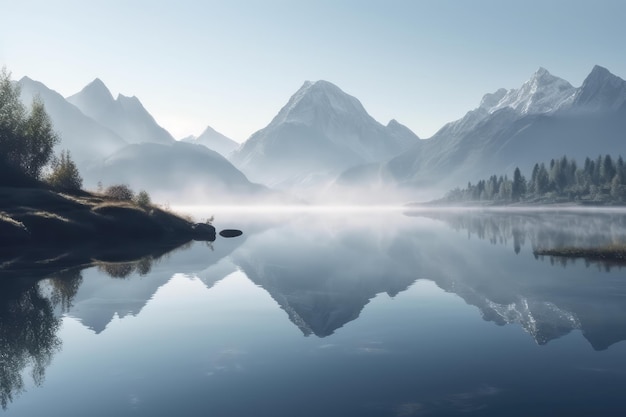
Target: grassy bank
42	227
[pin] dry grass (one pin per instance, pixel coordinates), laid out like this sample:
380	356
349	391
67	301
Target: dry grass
5	218
42	215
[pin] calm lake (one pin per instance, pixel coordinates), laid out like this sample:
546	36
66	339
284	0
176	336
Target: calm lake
350	313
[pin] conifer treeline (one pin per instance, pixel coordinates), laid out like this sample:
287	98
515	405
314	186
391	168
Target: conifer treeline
599	181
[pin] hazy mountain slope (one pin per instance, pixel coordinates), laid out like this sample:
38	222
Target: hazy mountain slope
87	140
317	134
213	140
180	170
125	115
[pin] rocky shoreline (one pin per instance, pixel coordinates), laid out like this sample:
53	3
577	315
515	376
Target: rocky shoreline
41	228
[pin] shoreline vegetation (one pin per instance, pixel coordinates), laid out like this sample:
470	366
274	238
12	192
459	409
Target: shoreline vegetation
598	182
48	221
43	228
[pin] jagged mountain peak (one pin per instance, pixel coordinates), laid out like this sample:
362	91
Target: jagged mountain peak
543	74
130	103
320	132
125	115
214	140
96	90
542	93
316	101
490	100
399	129
600	72
127	98
601	90
394	123
209	131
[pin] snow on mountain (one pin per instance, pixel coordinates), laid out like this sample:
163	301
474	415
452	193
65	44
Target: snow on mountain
318	133
213	140
545	118
126	116
542	93
87	140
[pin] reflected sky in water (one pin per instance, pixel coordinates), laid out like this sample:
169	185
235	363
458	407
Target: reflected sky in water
363	314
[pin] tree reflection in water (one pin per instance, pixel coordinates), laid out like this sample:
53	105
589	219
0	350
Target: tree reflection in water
542	229
29	325
142	266
28	328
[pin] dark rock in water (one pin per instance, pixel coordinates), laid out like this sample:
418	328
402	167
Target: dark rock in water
231	233
203	231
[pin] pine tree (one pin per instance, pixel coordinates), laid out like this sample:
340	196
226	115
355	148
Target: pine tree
65	173
518	188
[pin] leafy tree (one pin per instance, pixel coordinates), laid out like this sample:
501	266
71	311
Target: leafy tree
39	140
64	173
26	139
143	199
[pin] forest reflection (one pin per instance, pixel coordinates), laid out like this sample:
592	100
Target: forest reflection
539	230
28	332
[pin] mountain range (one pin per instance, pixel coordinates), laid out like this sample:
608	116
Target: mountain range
324	139
117	141
126	116
543	119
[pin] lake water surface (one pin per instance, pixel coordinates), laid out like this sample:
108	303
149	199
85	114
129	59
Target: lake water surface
380	313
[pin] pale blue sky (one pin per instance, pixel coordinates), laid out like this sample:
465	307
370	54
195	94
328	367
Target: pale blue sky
233	64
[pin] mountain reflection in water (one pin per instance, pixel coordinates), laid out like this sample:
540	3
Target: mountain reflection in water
324	270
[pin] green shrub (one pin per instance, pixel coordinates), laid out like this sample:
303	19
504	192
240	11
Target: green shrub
142	199
120	192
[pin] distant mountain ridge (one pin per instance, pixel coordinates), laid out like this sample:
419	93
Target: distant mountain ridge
213	140
320	132
87	139
117	141
545	118
323	135
126	116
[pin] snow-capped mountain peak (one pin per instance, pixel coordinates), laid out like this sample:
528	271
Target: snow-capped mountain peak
542	93
491	100
316	101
